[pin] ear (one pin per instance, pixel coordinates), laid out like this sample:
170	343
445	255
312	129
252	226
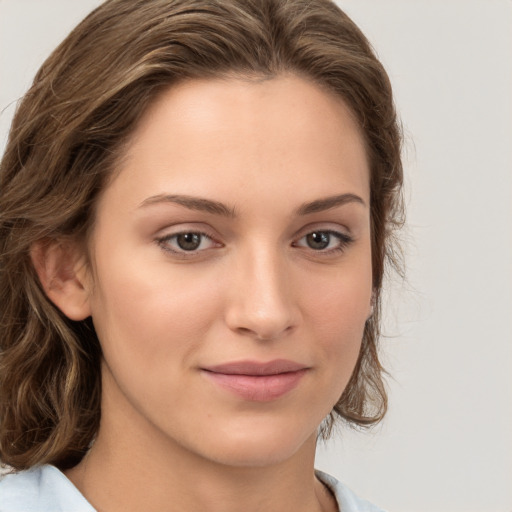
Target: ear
62	271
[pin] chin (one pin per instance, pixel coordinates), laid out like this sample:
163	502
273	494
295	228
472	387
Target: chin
259	445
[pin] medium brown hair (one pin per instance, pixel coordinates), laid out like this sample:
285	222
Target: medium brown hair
66	136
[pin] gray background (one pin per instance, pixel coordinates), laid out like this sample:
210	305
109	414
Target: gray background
446	445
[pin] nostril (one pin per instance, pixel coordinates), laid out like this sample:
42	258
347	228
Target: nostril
261	335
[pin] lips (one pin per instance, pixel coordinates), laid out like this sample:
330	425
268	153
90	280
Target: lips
255	381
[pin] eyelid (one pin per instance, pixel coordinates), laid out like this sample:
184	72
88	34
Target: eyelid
163	241
344	239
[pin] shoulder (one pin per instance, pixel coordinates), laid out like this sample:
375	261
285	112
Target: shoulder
46	489
40	489
347	500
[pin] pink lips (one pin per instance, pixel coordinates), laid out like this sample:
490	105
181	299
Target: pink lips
259	382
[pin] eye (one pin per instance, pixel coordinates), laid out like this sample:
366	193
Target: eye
187	242
324	241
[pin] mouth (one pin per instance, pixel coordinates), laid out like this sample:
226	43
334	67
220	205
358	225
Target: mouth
255	381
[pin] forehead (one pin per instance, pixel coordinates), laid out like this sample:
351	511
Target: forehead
223	135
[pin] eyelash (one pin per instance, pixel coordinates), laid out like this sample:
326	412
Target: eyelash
344	241
163	242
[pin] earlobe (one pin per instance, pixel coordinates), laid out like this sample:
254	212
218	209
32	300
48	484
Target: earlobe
62	272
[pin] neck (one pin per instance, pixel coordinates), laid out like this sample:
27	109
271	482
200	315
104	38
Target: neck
115	479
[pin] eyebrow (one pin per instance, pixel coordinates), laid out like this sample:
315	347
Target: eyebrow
218	208
192	203
321	205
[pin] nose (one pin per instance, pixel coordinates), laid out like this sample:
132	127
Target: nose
262	302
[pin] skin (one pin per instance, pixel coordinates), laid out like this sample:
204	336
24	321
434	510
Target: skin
254	290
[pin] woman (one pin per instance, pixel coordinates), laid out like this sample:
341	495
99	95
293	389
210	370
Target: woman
197	203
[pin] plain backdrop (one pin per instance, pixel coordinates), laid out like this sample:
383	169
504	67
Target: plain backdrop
446	445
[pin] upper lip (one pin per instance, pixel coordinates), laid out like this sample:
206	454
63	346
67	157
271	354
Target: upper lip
257	368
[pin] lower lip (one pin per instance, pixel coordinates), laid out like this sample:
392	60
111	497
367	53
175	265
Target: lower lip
258	388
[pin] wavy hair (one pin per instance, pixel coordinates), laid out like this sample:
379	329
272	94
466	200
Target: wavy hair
66	136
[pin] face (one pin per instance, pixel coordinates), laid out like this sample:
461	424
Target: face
231	268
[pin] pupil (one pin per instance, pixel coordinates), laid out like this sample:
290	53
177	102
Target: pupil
189	241
318	240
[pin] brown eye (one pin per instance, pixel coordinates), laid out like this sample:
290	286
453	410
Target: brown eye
191	242
318	240
325	241
188	241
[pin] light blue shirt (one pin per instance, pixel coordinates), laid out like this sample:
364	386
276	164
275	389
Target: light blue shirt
46	489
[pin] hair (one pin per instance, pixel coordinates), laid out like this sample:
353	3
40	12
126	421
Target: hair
66	138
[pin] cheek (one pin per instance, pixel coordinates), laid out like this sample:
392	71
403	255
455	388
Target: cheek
146	314
340	301
337	313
